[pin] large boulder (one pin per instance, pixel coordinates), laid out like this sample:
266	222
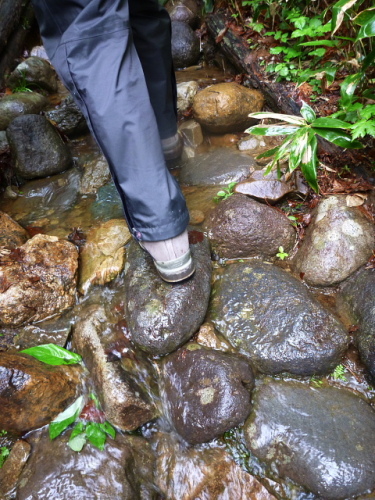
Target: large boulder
37	148
242	227
103	255
272	319
162	316
124	402
338	241
207	392
321	438
356	302
37	280
217	167
34	72
22	103
225	107
68	118
185	11
11	470
185	45
33	393
122	471
11	234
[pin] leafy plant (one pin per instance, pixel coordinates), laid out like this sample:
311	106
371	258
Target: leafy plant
339	373
52	354
223	194
281	254
4	453
299	148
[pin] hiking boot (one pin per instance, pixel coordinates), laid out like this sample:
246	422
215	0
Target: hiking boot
172	147
172	257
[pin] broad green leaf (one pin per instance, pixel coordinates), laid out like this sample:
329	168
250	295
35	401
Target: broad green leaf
327	122
221	193
317	43
307	112
338	12
364	17
295	120
268	153
309	163
108	428
77	442
96	435
362	128
368	28
297	149
318	52
271	130
350	83
65	418
78	429
52	354
338	137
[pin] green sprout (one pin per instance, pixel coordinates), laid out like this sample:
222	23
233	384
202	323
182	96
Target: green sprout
281	254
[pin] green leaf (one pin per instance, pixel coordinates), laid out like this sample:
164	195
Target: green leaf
77	442
268	153
108	428
52	354
328	122
78	429
318	52
367	29
67	417
368	60
338	12
362	128
307	112
364	17
338	137
271	130
309	164
295	120
96	435
316	43
221	193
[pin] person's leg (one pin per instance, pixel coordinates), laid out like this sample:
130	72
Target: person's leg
95	55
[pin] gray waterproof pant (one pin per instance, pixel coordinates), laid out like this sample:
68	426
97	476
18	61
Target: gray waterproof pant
114	56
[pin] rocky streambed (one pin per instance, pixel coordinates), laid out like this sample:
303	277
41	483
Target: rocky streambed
223	387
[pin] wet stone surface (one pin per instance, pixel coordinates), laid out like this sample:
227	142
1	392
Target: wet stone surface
272	319
19	104
322	438
68	118
12	235
207	392
185	45
34	72
11	470
163	316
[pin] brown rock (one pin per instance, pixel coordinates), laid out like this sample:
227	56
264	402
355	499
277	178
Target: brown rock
185	11
11	234
103	255
11	470
196	217
37	280
208	337
33	393
242	227
270	190
225	107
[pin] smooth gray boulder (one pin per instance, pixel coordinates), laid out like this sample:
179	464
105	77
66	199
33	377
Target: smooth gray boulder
68	118
356	301
242	227
338	241
122	471
272	319
185	45
206	392
217	167
124	401
22	103
322	438
162	316
37	148
34	72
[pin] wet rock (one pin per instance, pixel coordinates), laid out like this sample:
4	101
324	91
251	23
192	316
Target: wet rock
192	133
185	95
192	473
95	175
11	470
68	118
122	399
162	316
356	302
270	190
33	393
219	167
4	145
34	72
338	241
108	204
37	148
208	337
185	11
322	438
271	318
250	142
206	392
225	107
38	280
185	45
11	234
242	227
103	255
22	103
196	217
122	471
39	51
